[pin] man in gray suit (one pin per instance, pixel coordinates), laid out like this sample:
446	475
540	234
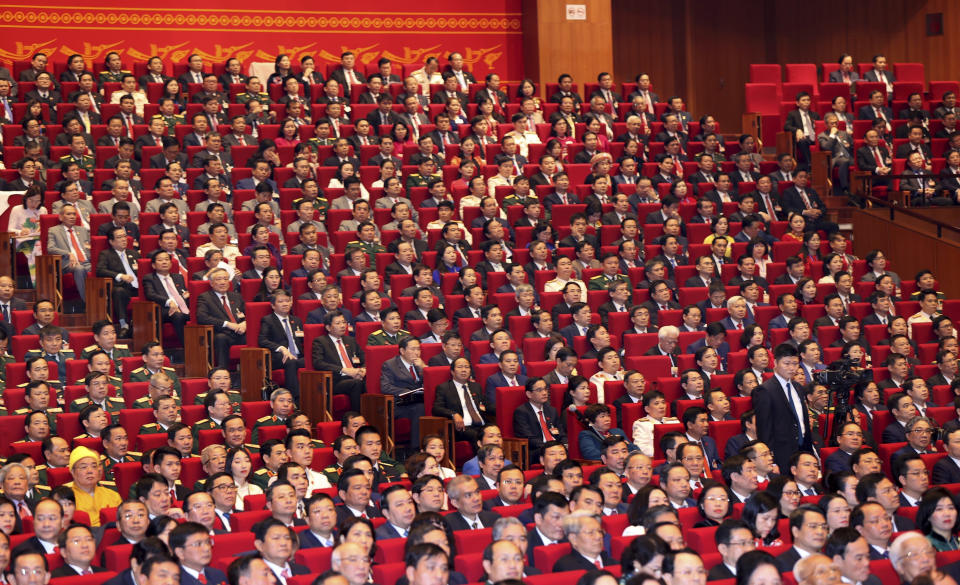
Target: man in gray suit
71	241
839	144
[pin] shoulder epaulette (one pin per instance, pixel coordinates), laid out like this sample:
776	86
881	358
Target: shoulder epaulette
138	370
115	399
121	346
265	418
91	347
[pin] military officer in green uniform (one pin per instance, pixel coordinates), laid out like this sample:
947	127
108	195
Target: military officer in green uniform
390	332
98	361
153	363
521	195
78	154
115	443
234	432
344	447
166	411
160	385
97	390
300	420
56	453
273	454
105	335
37	397
51	348
367	241
37	425
281	402
218	379
253	93
370	444
610	264
39	371
425	175
170	118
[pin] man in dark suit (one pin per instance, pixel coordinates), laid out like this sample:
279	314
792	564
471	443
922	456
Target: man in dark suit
585	534
946	470
876	109
800	123
402	377
168	290
464	494
339	353
282	335
880	74
808	536
847	547
77	559
508	376
120	265
801	198
354	490
463	401
782	421
536	420
224	309
195	557
9	304
276	550
398	508
728	537
346	74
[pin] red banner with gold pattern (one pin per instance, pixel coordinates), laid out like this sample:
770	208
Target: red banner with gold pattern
488	34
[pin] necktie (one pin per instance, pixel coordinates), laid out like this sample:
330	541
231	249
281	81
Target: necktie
364	515
343	353
797	410
88	571
806	200
810	492
547	435
876	156
159	141
7	111
129	123
23	510
226	307
291	342
202	578
285	573
413	373
173	494
770	210
471	410
129	270
6	312
77	249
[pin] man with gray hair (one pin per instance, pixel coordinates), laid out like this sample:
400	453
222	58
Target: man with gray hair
526	302
14	479
511	529
585	534
912	555
738	317
464	494
919	431
352	562
667	338
816	568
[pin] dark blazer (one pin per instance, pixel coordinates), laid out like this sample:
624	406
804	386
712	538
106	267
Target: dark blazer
296	569
316	315
109	264
446	403
343	513
787	559
791	200
125	577
308	540
795	121
577	562
872	76
945	470
374	119
213	576
497	380
527	426
210	310
154	290
272	336
341	78
395	378
325	355
866	113
894	433
777	424
67	571
456	521
719	572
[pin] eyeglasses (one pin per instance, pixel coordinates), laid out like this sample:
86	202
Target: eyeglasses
37	571
923	552
922	431
717	499
200	543
790	492
225	486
